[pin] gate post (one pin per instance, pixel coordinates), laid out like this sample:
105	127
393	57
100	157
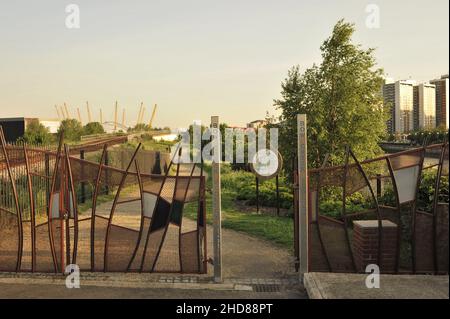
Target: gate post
216	201
303	220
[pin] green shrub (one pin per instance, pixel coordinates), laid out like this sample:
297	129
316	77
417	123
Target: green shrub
36	134
93	128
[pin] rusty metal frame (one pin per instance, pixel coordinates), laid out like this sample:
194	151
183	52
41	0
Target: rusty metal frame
181	221
49	210
16	201
94	204
60	213
317	214
435	205
398	209
32	210
114	205
141	226
414	210
144	254
72	194
168	215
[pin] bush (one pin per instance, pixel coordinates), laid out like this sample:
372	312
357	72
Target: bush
243	184
36	134
72	129
93	128
434	136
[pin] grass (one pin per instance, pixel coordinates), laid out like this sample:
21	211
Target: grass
278	230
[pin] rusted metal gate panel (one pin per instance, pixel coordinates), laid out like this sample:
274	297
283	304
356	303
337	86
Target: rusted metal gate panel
420	242
151	236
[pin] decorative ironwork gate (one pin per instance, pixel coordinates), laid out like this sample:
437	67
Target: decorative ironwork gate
113	235
394	227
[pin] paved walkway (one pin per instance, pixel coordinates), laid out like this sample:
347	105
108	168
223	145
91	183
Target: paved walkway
352	286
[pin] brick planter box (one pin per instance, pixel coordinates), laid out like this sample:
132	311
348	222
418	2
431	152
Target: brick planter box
365	244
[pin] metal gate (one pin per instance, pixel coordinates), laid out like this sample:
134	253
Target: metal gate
136	222
396	228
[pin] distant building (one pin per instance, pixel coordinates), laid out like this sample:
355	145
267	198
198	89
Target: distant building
256	124
389	100
14	128
424	106
399	96
442	101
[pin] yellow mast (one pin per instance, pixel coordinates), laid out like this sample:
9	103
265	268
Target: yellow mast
57	112
101	116
115	118
89	112
79	115
153	116
67	111
123	119
139	114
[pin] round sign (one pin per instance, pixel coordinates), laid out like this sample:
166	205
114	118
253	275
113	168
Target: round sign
266	164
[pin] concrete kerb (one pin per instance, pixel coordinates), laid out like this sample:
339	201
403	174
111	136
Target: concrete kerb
139	280
352	286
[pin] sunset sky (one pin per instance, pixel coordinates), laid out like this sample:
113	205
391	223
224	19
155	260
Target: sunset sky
195	58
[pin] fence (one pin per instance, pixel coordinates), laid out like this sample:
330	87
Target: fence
140	228
374	212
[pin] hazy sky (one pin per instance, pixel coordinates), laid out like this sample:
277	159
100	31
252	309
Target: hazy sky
195	58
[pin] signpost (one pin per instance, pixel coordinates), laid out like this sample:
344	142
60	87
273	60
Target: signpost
302	193
216	200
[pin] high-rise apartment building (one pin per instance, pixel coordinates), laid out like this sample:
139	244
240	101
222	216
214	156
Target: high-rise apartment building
442	101
424	106
399	96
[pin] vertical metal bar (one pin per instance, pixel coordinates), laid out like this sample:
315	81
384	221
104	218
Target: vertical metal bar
94	205
303	220
170	212
413	210
154	209
217	201
181	220
141	227
16	200
47	181
378	185
317	211
344	206
257	194
397	204
277	185
83	184
106	177
50	217
32	210
435	205
113	208
72	195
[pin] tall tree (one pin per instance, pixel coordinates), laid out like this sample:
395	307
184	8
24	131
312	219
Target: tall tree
341	98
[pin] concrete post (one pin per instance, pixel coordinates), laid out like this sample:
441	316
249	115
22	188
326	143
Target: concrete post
216	202
302	193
